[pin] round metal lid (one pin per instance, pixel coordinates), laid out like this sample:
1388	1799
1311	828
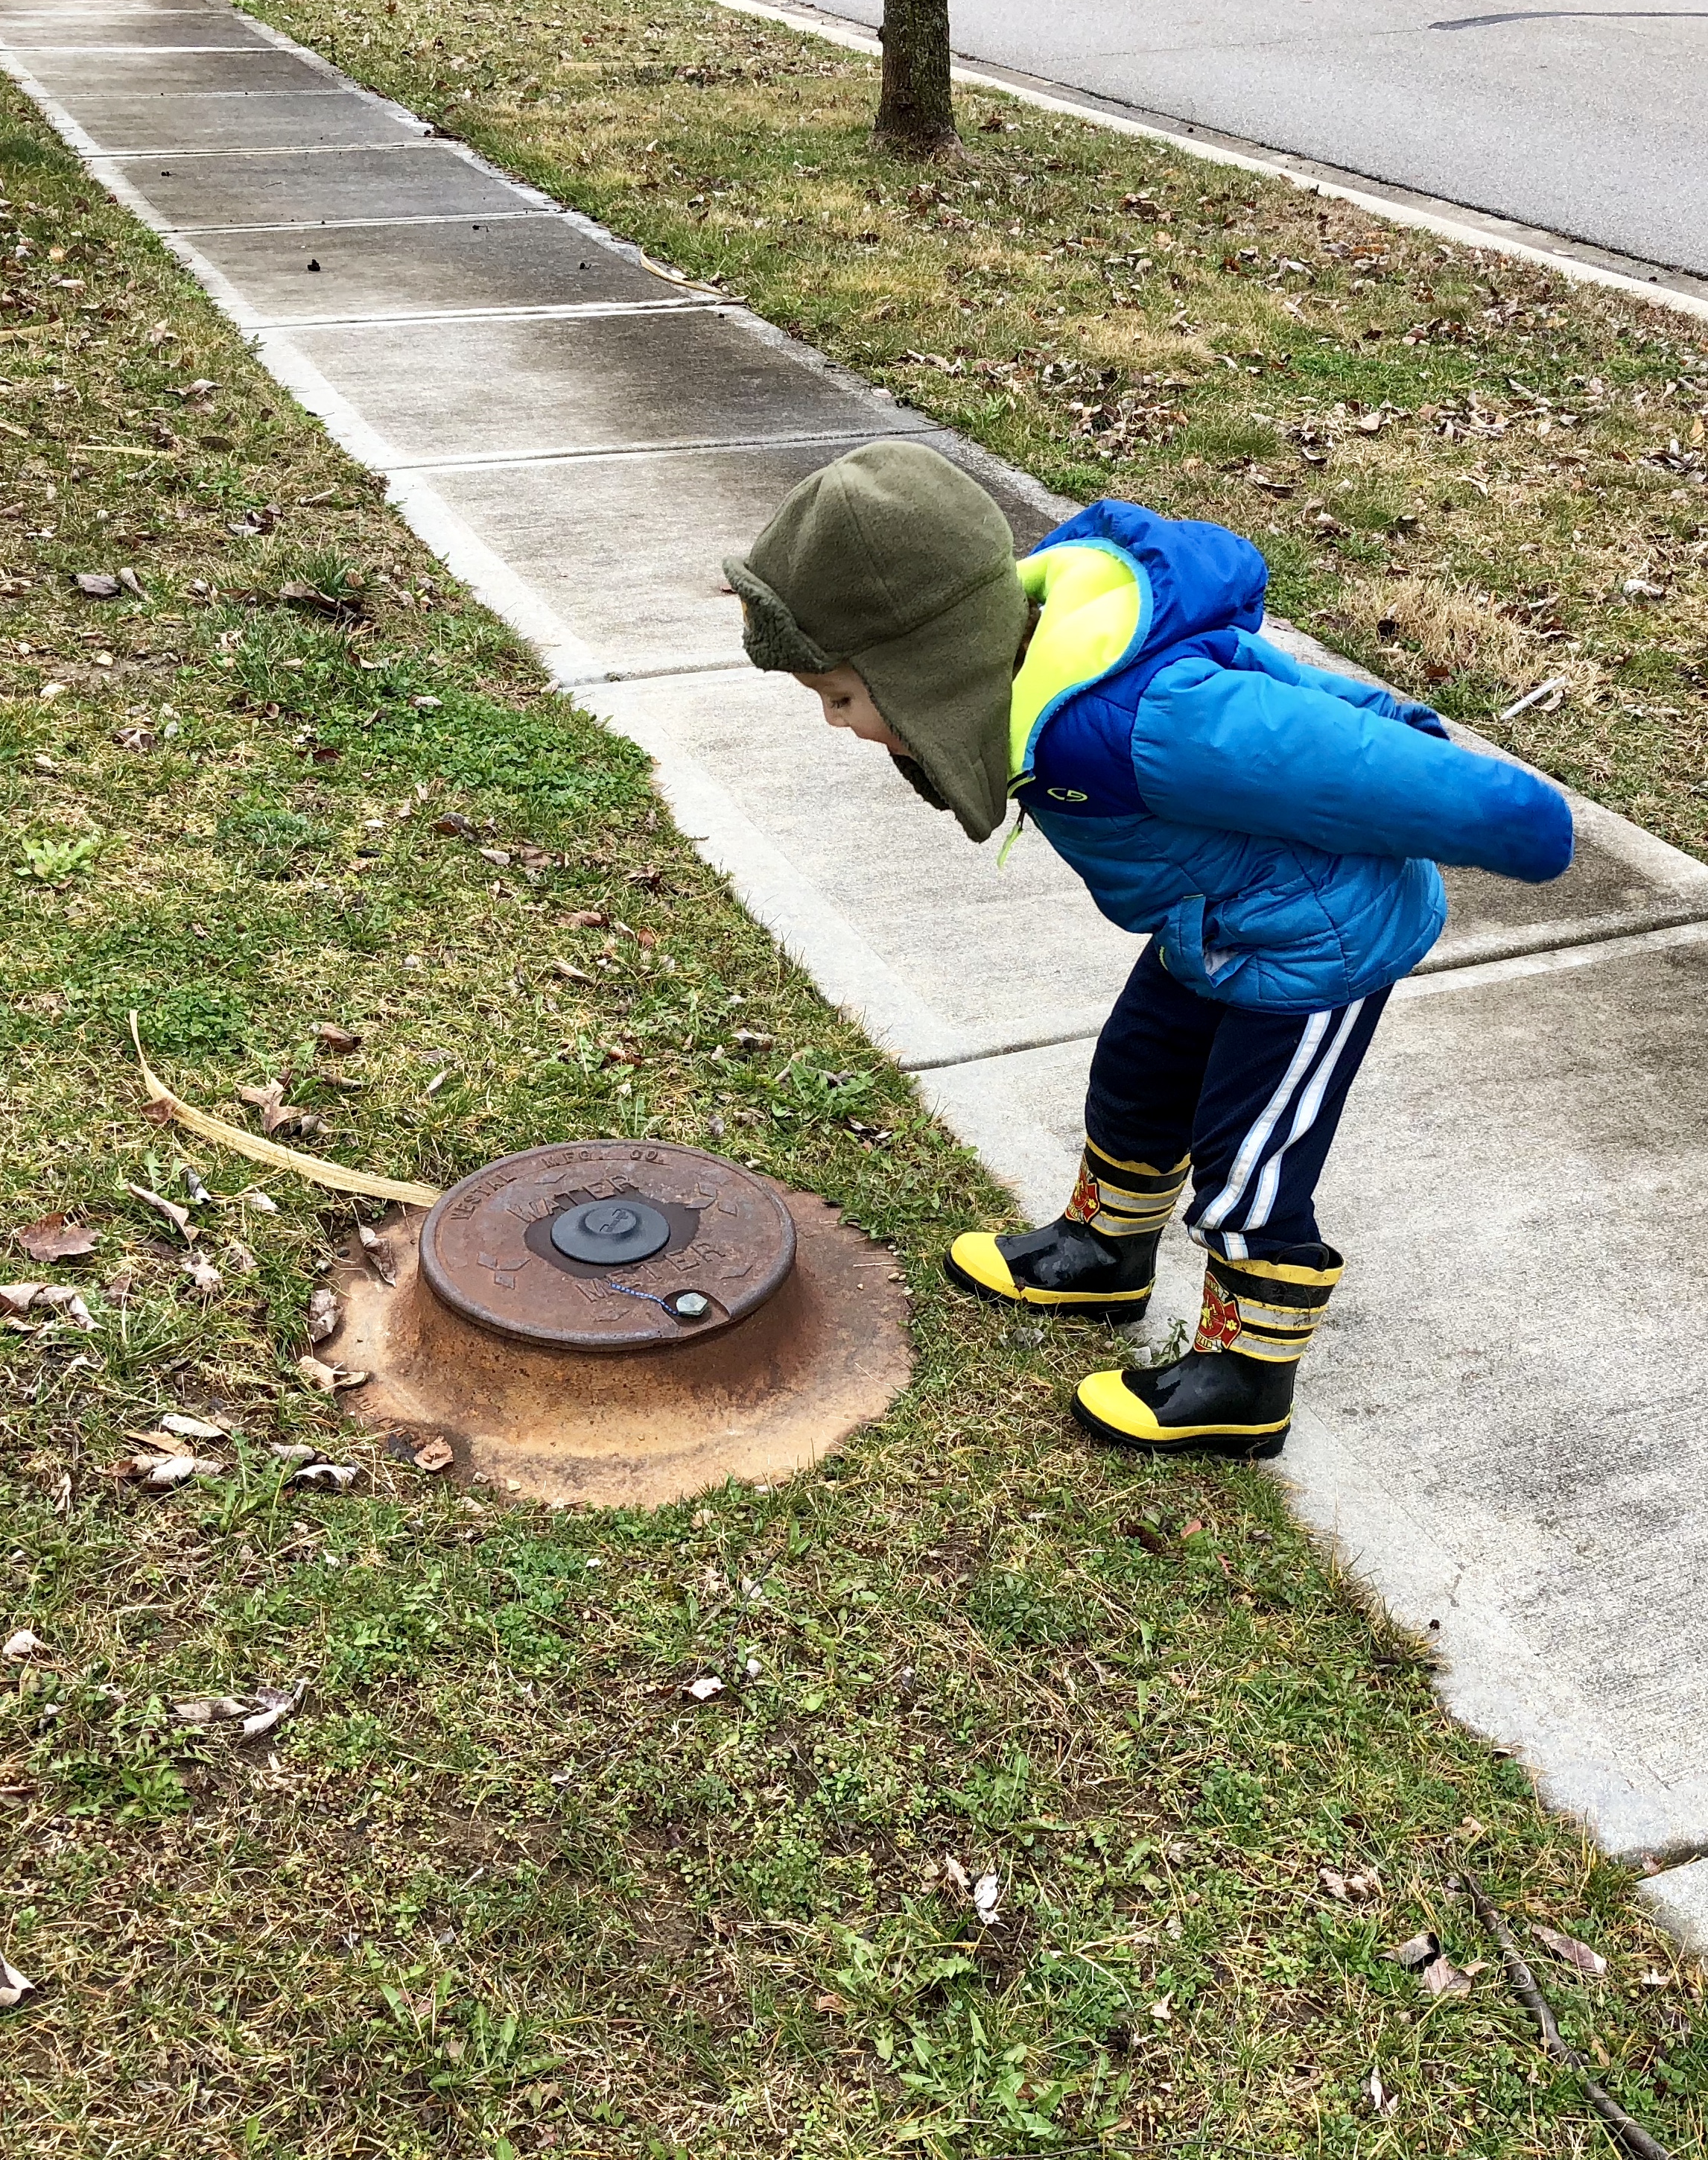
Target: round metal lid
503	1248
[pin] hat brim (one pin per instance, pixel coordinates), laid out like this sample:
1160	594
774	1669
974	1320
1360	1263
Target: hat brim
945	688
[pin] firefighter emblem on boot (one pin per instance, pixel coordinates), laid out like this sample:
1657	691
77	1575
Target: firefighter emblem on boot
1083	1207
1218	1323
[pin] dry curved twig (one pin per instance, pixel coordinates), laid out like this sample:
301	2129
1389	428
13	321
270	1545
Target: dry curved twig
1629	2135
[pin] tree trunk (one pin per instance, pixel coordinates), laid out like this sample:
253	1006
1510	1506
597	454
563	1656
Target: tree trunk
915	115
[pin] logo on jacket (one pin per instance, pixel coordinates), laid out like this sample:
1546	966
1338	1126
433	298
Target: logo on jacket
1066	795
1218	1323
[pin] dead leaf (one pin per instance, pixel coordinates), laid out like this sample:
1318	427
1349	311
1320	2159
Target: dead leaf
438	1081
378	1254
19	1297
1440	1976
97	585
159	1441
339	1474
179	1217
1578	1955
1418	1951
1381	2100
23	1644
336	1042
454	826
568	974
274	1111
1350	1889
292	1451
499	858
325	1313
1163	2009
275	1704
177	1469
957	1874
588	918
703	1689
133	584
987	1897
192	1428
830	2005
54	1238
202	1274
210	1709
200	1195
240	1259
436	1456
323	1378
263	1203
13	1986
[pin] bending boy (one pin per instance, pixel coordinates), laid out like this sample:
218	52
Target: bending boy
1272	828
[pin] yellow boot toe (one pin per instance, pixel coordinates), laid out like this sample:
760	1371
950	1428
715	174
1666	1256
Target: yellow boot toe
973	1263
1105	1405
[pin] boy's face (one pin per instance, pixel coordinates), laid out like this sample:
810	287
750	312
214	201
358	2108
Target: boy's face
847	703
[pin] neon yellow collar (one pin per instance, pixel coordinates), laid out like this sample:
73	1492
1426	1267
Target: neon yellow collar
1097	608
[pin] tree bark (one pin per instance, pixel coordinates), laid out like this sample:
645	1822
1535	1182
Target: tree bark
915	113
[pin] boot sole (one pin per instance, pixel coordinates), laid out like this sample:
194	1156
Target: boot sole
1239	1447
1061	1306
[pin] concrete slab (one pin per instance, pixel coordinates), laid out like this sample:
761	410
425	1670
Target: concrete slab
529	262
941	954
1504	1426
542	388
627	550
425	180
162	125
1679	1900
132	31
100	72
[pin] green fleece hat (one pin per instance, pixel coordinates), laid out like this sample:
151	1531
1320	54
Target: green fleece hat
893	560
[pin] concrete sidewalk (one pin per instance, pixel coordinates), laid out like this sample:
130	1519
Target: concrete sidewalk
1502	1429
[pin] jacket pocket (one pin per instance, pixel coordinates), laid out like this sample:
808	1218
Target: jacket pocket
1185	957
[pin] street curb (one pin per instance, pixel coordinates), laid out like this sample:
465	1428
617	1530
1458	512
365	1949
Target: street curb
1659	283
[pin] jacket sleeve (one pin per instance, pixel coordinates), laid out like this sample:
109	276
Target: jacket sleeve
1258	655
1241	751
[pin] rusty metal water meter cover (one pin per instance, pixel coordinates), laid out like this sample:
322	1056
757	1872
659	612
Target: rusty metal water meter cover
561	1246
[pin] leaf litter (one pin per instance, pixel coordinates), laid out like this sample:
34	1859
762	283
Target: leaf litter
55	1238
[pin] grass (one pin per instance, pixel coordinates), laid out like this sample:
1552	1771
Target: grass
498	1887
1469	473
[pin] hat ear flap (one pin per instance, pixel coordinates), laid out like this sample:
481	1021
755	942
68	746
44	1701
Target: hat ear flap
774	640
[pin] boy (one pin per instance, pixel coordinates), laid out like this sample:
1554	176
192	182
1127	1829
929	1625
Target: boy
1273	829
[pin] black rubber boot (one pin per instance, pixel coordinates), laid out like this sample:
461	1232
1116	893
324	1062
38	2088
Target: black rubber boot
1207	1402
1098	1256
1063	1268
1221	1399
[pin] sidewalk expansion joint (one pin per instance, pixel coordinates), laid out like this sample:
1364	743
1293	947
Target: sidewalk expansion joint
490	460
545	312
987	1052
190	156
360	224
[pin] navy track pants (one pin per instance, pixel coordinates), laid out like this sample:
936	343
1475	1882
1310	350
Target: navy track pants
1252	1097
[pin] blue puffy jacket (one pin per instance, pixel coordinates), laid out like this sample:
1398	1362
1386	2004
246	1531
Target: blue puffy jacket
1275	826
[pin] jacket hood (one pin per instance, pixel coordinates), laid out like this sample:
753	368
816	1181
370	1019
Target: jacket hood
1201	577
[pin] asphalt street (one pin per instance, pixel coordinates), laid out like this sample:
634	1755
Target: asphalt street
1588	121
